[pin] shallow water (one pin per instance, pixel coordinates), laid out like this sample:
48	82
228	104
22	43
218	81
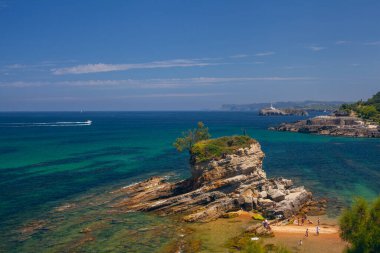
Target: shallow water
42	167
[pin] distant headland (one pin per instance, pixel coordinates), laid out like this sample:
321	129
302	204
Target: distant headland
272	111
360	119
307	105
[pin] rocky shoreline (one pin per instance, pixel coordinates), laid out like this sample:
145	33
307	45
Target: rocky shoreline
217	186
350	126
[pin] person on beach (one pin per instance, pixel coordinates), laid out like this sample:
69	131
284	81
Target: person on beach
267	226
300	242
307	233
317	230
298	221
318	221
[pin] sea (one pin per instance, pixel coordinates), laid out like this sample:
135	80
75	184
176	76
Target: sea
58	168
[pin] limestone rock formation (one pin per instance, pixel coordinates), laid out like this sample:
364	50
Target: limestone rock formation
334	125
219	185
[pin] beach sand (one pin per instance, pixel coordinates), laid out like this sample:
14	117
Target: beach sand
328	239
214	235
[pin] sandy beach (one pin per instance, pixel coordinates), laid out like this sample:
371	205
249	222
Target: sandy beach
290	236
214	235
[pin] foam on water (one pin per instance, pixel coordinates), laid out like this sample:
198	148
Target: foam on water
47	124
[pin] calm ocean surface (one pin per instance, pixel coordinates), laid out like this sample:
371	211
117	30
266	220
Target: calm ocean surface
43	166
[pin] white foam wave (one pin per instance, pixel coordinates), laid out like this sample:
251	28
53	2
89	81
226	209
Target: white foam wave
48	124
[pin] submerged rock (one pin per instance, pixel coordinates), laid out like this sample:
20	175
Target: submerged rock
222	184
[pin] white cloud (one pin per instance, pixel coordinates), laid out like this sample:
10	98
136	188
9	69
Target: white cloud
158	95
150	95
101	67
3	5
151	83
316	48
372	43
342	42
239	56
265	53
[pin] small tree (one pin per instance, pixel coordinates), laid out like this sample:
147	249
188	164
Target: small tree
360	225
192	136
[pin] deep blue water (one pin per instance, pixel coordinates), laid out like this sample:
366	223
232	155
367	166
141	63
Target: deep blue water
43	165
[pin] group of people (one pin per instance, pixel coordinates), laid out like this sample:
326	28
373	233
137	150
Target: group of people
317	229
303	219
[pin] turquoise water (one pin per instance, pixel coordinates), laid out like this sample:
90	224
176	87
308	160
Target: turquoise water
43	166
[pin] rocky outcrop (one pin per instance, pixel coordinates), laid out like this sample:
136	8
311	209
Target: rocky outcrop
334	125
232	182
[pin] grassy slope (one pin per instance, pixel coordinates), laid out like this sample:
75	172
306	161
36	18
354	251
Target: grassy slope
369	110
216	148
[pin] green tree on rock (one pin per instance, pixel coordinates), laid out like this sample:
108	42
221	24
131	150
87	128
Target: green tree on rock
192	136
360	225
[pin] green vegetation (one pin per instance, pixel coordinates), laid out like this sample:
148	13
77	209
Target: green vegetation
257	216
192	136
369	110
216	148
360	225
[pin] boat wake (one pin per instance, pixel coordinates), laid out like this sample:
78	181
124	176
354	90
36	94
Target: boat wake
48	124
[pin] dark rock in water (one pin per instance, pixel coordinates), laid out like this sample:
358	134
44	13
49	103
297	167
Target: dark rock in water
235	181
334	125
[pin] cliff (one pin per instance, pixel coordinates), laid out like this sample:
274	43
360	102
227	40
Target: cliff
226	182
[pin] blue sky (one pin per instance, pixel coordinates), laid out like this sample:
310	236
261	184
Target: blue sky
185	55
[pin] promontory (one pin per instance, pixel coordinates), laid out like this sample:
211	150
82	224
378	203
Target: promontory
361	119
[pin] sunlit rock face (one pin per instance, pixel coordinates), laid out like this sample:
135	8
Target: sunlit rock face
228	183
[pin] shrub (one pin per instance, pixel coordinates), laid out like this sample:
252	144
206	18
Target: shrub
360	225
216	148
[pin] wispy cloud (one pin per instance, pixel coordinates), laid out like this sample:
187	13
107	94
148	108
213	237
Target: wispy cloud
342	42
316	48
101	67
372	43
265	53
159	95
152	83
3	5
239	56
149	95
42	66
